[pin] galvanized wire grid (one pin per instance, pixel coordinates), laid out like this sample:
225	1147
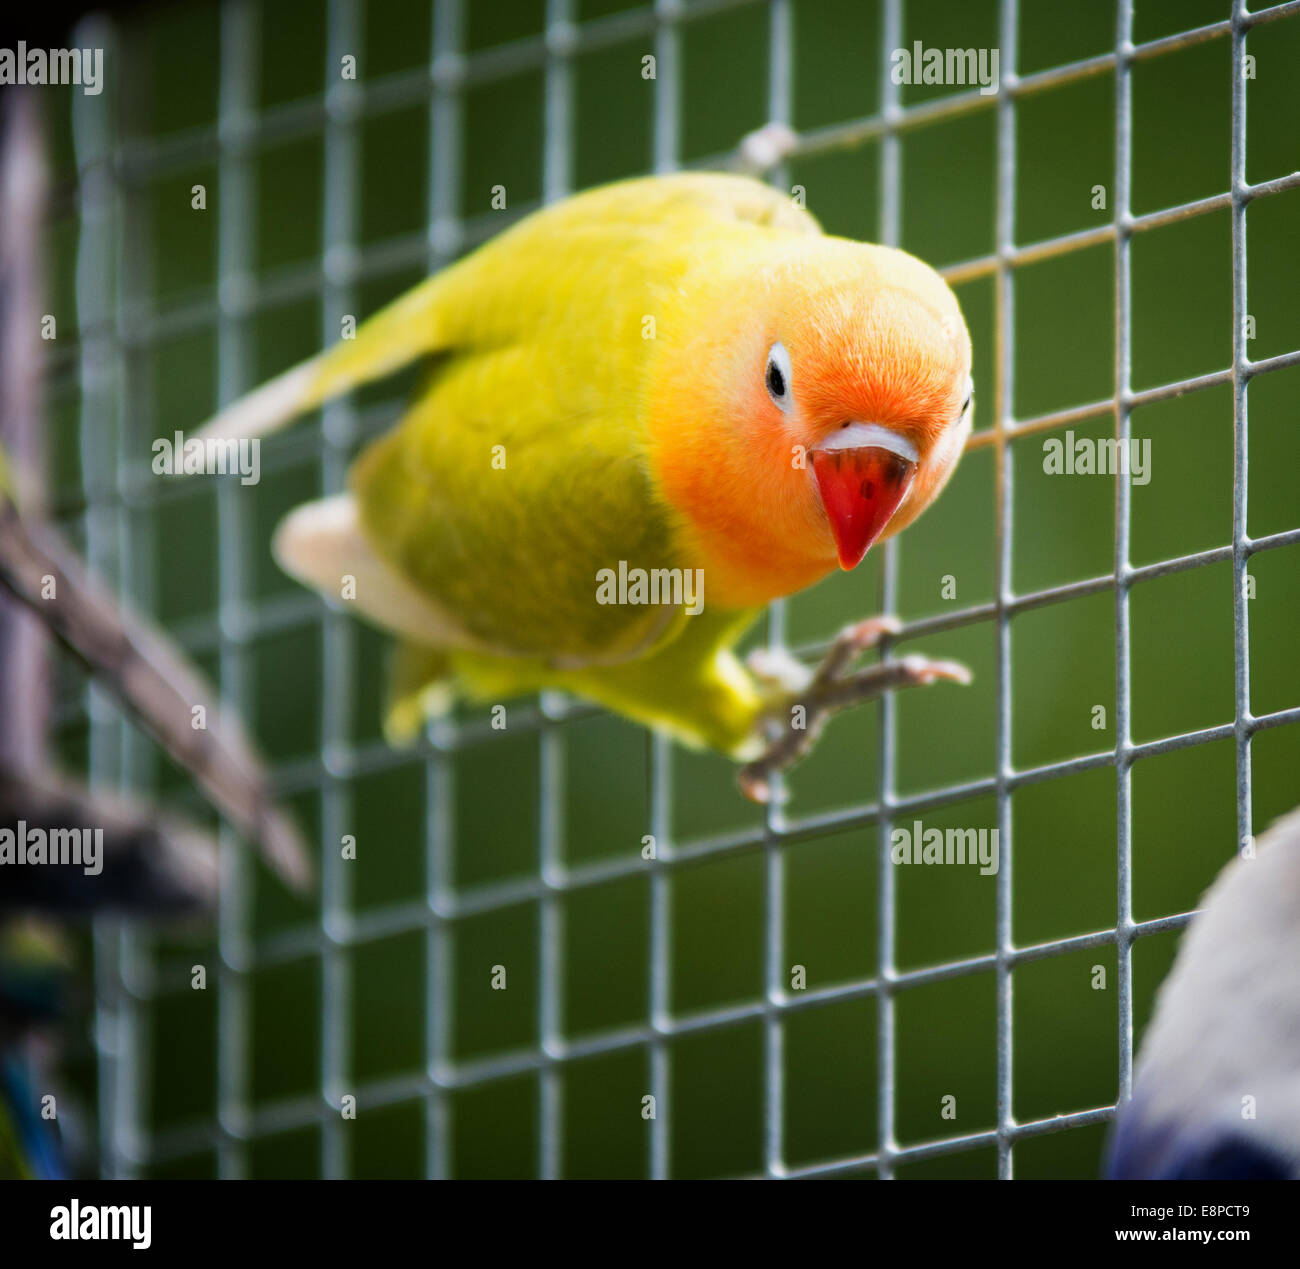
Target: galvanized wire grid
110	283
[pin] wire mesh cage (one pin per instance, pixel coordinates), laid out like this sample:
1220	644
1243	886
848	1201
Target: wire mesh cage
765	992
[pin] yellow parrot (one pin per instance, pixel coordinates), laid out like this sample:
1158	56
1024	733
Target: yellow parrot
649	409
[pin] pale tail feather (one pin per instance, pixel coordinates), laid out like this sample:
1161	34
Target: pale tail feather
321	544
395	336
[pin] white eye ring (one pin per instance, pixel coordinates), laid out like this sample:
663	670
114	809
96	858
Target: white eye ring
778	377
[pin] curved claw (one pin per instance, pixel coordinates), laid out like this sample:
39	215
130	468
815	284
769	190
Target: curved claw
755	785
927	671
868	632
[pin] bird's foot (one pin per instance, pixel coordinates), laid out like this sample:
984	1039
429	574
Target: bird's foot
809	699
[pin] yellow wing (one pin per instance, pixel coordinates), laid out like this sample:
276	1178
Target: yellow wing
500	292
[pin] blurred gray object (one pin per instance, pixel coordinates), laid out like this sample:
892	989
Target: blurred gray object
136	663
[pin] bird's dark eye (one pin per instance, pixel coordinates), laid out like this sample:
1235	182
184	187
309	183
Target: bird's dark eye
777	376
970	396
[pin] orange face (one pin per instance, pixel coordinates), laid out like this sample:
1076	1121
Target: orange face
833	411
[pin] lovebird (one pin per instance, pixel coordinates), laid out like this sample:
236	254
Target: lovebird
1216	1090
647	410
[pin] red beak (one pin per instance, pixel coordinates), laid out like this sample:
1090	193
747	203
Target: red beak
861	490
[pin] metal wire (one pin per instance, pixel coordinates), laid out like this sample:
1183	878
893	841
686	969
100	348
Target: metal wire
1003	397
115	334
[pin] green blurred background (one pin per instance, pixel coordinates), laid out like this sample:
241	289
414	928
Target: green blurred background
1064	830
